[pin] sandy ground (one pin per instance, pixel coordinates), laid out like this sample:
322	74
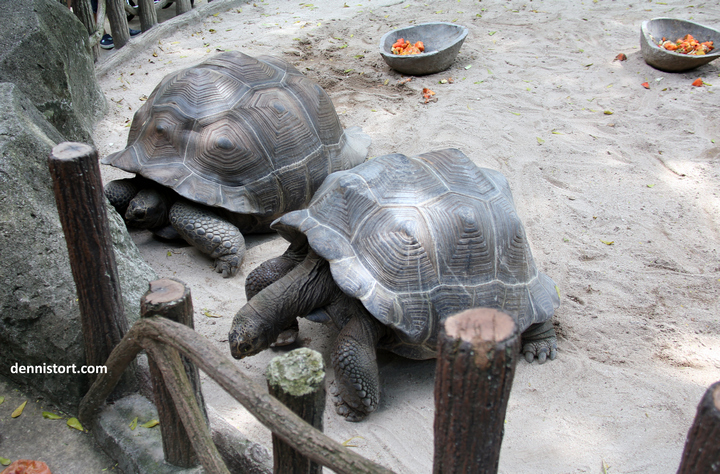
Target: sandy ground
617	186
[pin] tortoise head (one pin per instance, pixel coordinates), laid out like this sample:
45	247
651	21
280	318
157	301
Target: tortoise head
148	209
250	334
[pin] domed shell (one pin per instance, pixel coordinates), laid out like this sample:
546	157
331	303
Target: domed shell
250	135
419	239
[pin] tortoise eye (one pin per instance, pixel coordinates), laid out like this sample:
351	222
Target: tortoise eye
224	143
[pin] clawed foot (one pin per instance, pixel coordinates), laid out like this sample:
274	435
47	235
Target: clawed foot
352	411
288	336
228	265
540	341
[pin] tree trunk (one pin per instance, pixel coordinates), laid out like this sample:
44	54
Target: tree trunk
81	206
477	352
702	447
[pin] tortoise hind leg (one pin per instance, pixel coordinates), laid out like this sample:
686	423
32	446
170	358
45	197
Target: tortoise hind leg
356	390
539	340
210	234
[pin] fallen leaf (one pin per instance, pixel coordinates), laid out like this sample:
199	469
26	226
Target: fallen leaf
645	85
18	411
606	242
133	424
4	461
150	424
50	415
698	82
540	140
347	442
621	57
210	314
2	399
75	423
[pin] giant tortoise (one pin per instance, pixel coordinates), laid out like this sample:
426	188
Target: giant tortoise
226	147
385	252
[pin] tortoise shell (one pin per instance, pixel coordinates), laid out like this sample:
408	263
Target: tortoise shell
419	239
250	135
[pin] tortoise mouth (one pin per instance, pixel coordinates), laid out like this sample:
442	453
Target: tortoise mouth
240	348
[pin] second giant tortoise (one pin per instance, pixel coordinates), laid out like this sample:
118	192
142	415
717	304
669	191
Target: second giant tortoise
226	147
386	252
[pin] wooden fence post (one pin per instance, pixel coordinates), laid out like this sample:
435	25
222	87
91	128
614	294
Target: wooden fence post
477	352
81	206
118	22
297	379
702	447
171	299
182	6
148	14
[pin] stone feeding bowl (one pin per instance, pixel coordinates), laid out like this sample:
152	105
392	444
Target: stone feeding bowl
442	43
653	31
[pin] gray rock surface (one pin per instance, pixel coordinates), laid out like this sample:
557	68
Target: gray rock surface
39	315
139	450
44	50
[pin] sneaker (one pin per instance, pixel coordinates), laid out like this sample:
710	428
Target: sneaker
107	42
135	32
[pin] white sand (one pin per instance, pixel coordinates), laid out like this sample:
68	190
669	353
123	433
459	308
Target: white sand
622	210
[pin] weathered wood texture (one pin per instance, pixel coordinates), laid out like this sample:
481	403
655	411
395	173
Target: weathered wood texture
81	206
148	14
118	22
182	6
297	379
266	408
477	352
171	299
83	11
702	447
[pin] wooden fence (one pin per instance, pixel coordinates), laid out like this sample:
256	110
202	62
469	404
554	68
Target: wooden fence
117	15
477	353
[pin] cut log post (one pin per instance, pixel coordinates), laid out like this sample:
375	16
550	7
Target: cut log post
118	23
171	299
702	447
148	14
81	206
477	353
297	379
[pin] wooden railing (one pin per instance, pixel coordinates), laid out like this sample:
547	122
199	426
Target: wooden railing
477	353
117	11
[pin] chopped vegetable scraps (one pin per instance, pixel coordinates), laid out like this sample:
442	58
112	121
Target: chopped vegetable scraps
687	45
698	82
403	47
645	85
427	93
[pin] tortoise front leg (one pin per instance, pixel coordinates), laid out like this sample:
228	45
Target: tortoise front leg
210	234
356	390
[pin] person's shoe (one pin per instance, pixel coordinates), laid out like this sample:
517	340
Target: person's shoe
135	32
107	42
